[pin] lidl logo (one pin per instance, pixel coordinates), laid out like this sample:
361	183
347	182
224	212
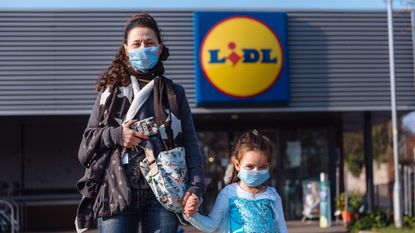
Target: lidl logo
240	58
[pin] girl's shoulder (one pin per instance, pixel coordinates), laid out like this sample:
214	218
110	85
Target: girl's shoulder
233	190
230	187
229	190
272	192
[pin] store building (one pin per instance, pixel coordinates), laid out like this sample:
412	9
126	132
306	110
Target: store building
336	71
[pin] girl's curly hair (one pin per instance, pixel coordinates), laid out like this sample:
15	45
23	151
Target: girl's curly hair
116	73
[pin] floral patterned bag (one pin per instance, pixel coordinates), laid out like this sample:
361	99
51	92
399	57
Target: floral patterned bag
167	176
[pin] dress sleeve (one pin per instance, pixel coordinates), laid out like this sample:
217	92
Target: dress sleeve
96	138
216	216
280	220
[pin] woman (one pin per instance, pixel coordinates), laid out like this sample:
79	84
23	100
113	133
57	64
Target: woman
133	88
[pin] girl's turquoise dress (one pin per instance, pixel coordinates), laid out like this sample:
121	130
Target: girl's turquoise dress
237	210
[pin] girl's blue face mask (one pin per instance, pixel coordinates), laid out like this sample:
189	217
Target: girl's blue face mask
144	59
253	178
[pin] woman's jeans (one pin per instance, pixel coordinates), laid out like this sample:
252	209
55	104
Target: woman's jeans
145	215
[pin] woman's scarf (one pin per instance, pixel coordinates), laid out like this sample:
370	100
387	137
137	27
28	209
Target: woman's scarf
123	102
146	77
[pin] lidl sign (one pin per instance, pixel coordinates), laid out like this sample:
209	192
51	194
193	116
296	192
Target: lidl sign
241	58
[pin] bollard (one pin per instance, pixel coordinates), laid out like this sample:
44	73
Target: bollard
325	206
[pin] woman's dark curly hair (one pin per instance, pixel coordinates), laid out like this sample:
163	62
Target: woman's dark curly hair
117	73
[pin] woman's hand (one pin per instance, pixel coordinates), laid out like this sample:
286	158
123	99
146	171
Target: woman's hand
190	203
131	138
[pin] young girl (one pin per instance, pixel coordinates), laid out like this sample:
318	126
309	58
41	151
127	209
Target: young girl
247	204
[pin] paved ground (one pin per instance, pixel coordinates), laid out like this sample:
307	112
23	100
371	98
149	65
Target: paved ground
296	227
313	227
293	227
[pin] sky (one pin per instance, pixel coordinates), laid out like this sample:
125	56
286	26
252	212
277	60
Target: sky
199	4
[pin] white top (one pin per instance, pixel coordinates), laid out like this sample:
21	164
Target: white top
237	210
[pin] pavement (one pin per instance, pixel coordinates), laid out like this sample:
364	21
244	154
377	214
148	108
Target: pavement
313	227
293	227
296	227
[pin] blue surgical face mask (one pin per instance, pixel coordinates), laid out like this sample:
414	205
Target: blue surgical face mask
253	178
144	59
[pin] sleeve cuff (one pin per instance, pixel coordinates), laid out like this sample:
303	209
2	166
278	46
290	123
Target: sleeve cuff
116	135
196	190
186	218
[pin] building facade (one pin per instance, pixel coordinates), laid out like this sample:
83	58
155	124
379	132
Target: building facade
338	70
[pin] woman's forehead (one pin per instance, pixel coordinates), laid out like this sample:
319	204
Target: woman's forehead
142	33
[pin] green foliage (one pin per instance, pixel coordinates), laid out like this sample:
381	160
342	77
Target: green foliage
354	201
382	143
408	221
353	150
408	226
368	221
354	147
340	200
391	229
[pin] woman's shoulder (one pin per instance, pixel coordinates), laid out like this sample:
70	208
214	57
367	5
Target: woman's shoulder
178	89
176	86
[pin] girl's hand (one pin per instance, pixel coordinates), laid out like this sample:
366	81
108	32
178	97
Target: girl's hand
131	138
190	203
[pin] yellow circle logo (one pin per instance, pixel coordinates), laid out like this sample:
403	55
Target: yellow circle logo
241	56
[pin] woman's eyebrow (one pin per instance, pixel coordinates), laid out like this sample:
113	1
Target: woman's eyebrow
137	41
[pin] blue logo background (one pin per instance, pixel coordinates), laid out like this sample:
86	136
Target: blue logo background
206	94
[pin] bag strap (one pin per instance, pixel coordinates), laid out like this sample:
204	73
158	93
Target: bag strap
165	97
172	98
152	163
173	108
158	101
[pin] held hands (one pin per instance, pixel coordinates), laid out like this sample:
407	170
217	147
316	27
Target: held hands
190	204
131	138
